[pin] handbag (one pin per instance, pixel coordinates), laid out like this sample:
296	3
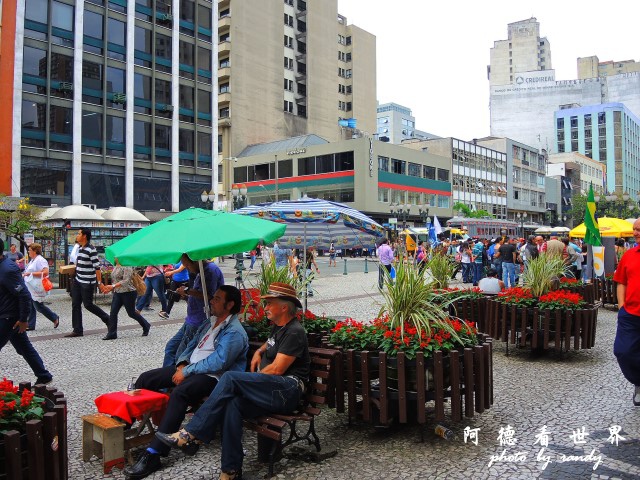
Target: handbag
46	284
137	281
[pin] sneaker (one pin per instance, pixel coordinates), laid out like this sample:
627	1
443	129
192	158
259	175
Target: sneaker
636	396
163	314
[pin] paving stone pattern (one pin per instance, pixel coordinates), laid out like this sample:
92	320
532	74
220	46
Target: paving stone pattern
562	392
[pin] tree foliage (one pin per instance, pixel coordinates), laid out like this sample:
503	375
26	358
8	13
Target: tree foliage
18	217
468	213
617	208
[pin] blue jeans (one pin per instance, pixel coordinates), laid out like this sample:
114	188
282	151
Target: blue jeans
466	272
43	309
176	345
509	274
22	344
241	395
626	346
478	272
153	284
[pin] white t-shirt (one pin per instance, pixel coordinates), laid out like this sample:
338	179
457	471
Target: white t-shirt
36	265
489	285
206	346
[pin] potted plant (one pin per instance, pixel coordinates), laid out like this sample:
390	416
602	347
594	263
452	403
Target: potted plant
441	268
30	445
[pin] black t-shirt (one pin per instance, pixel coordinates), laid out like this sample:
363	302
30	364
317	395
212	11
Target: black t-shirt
506	252
290	339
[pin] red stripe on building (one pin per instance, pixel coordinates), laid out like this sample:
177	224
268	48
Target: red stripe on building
408	188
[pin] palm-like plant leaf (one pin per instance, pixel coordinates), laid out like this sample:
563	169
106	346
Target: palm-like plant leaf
542	272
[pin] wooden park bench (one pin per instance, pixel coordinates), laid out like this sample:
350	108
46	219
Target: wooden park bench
271	429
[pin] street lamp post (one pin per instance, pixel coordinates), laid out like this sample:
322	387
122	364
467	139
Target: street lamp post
208	199
423	211
403	212
239	196
521	218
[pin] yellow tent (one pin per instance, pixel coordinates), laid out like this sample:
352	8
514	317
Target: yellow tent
609	227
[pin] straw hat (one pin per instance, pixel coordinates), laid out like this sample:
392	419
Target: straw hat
283	291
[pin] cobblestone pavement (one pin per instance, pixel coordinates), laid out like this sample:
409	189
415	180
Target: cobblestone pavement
565	393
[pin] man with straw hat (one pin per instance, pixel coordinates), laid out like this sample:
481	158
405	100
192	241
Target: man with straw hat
277	380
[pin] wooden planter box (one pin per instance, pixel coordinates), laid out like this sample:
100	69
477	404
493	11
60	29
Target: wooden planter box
588	291
473	310
379	397
542	329
605	291
41	452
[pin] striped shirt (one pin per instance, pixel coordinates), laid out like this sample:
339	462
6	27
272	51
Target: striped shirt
86	265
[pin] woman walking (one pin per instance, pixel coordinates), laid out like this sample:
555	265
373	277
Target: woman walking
124	293
36	270
466	258
154	280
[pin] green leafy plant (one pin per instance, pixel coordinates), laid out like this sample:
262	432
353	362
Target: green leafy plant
16	408
441	267
543	273
412	300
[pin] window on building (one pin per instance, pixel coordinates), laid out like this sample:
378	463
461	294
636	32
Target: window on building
163	92
204	144
93	32
187	11
163	53
224	62
288	85
288	63
186	141
204	65
288	20
204	101
398	166
163	137
288	41
443	175
429	172
142	93
307	166
62	22
224	88
187	97
116	38
383	163
344	161
187	54
35	65
92	76
60	128
91	132
115	84
142	140
414	169
288	106
143	45
115	136
204	22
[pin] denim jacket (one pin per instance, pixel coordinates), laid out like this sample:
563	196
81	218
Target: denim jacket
231	347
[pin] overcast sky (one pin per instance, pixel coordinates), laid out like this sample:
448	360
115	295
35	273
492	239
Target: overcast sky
432	56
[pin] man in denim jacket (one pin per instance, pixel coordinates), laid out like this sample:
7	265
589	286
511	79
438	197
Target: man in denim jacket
219	345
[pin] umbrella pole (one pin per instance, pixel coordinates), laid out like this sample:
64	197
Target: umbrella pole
207	308
304	267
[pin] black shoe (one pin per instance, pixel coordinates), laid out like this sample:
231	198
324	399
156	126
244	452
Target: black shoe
43	380
73	334
145	330
145	466
182	440
109	337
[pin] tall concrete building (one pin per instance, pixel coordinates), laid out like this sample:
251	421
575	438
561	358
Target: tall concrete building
132	102
397	124
608	133
522	103
523	51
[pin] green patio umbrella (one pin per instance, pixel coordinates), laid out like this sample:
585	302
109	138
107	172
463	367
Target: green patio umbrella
199	233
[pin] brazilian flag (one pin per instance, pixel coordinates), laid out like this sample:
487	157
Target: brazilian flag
592	234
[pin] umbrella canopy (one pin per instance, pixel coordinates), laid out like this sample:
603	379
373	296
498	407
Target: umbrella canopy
560	229
542	230
609	227
199	233
322	221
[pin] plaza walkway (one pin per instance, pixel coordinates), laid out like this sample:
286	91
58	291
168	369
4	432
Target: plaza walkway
577	396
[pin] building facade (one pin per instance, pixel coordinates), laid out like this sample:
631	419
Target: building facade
522	105
364	173
567	176
526	171
131	102
479	174
608	133
592	172
592	67
396	124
